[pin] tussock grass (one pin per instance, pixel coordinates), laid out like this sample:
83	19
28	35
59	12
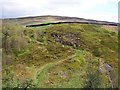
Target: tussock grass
36	47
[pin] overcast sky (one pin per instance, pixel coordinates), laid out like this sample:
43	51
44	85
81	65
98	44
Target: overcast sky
92	9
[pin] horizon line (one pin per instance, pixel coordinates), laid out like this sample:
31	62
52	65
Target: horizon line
23	17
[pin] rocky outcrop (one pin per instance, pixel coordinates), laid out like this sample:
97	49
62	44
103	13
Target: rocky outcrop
69	39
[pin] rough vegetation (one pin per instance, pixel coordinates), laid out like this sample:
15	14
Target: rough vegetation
59	56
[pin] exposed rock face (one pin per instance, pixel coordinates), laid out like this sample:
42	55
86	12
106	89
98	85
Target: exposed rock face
69	39
107	67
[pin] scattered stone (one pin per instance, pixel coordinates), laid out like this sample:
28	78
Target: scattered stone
69	39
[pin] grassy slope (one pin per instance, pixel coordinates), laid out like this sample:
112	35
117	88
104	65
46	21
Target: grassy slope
33	58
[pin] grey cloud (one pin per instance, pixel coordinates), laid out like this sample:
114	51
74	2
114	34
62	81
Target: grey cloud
18	8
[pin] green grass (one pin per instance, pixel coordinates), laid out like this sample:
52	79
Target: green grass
36	47
42	74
